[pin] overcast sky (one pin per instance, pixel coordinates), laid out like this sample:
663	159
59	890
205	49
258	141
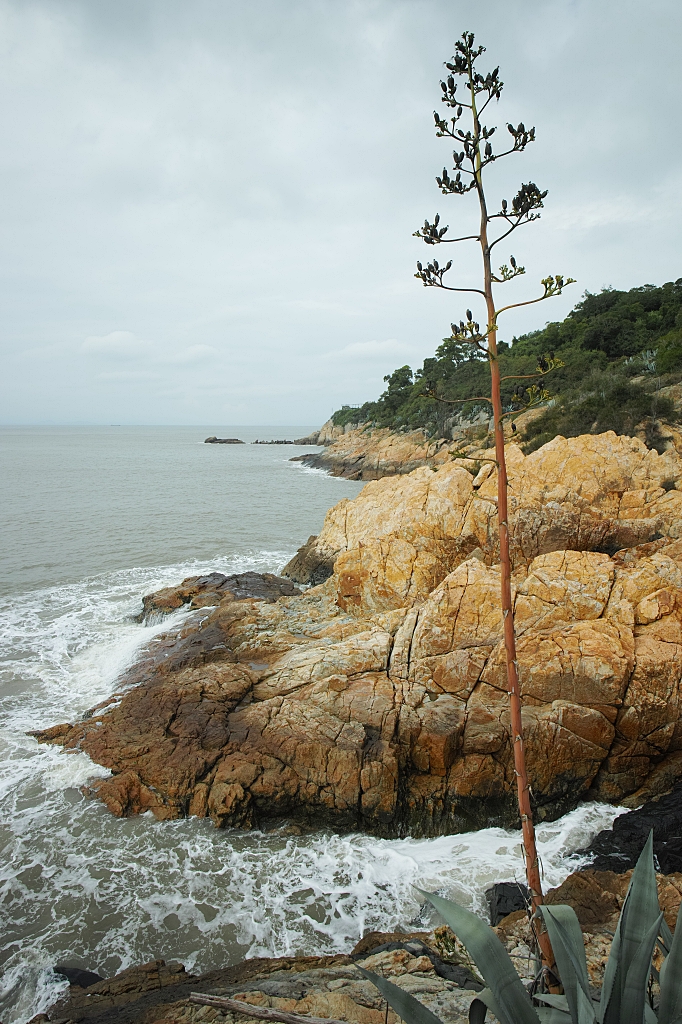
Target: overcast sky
207	205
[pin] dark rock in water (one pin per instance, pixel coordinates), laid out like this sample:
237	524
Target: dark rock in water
77	976
617	848
201	591
136	989
274	442
309	565
223	440
504	898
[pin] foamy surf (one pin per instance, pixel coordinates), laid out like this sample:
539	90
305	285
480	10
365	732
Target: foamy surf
78	886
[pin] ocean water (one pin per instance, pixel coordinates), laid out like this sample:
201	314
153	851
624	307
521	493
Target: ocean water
91	519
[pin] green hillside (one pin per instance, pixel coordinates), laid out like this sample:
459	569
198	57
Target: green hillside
618	348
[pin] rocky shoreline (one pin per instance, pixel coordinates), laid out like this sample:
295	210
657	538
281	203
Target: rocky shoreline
376	699
368	453
362	451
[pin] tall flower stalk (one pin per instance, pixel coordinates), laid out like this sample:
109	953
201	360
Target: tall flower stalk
472	156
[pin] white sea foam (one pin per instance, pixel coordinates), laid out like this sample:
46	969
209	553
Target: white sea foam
316	471
80	887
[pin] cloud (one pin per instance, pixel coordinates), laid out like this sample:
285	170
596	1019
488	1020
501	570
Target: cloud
124	345
155	181
603	213
193	354
124	376
120	344
373	350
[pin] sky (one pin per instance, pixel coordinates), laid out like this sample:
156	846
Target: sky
207	206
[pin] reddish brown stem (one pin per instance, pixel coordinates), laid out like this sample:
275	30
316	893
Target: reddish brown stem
513	688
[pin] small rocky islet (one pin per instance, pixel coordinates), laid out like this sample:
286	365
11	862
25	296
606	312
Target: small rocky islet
376	700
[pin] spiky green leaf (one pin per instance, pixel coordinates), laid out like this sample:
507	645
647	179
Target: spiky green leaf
665	938
566	937
550	1015
670	1007
484	1000
649	1015
559	1002
404	1004
636	981
640	910
492	960
609	1006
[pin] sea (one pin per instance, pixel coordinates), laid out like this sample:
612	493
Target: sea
92	519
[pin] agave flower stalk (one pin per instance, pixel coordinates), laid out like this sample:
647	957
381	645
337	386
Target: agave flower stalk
470	162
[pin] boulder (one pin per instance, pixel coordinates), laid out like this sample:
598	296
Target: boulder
214	588
77	976
505	898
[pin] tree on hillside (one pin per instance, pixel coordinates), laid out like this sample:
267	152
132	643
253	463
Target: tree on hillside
473	154
399	386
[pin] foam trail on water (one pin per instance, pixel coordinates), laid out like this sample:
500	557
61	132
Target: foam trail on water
80	887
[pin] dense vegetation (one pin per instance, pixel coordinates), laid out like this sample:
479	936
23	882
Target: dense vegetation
618	348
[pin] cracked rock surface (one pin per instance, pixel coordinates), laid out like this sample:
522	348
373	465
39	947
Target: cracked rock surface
377	699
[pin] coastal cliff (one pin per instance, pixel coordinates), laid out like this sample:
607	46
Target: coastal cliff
377	699
368	453
362	451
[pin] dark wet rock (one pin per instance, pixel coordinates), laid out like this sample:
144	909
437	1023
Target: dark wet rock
211	589
617	848
77	976
223	440
309	565
505	898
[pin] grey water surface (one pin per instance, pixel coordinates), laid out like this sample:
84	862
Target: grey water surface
91	519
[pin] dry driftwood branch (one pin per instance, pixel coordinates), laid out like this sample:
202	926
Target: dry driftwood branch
259	1012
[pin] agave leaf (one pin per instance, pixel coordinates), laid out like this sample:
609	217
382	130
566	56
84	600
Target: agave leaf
550	1015
649	1015
492	960
405	1005
484	1001
559	1002
641	905
640	910
634	989
609	1004
566	937
670	1007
